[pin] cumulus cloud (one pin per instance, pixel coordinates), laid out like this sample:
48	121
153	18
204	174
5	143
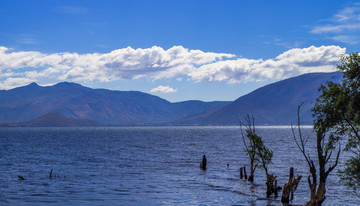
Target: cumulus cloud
156	63
14	82
126	63
290	63
163	89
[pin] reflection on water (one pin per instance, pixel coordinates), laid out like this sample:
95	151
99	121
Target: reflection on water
148	166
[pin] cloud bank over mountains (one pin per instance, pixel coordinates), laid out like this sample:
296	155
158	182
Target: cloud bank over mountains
18	68
163	89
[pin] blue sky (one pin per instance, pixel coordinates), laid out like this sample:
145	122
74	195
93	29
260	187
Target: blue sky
178	50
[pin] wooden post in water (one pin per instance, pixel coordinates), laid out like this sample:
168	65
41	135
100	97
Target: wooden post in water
51	173
241	173
276	189
245	173
203	163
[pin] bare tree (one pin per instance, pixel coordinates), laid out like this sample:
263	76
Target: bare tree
249	144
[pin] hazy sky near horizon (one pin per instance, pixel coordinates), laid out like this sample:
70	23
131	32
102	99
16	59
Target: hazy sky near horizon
179	49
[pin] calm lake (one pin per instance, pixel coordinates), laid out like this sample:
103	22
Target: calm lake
149	166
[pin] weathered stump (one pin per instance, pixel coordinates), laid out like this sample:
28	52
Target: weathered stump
276	189
245	173
270	187
290	187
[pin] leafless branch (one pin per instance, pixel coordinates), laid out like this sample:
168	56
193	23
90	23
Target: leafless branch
301	142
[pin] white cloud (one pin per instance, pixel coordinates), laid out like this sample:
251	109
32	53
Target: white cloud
156	63
344	22
47	85
351	40
126	63
26	39
14	82
335	28
163	89
290	63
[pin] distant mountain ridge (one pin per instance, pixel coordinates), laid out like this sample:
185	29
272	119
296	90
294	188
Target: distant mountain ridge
54	120
109	107
273	104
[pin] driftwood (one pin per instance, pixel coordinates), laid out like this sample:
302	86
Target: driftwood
21	177
290	187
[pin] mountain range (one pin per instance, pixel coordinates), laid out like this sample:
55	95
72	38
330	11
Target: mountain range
72	100
274	104
53	120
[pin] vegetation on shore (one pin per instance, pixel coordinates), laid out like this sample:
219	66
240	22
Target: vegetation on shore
337	117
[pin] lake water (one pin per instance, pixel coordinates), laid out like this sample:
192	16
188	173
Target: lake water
148	166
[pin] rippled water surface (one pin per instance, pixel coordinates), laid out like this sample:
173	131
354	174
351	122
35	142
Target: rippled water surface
148	166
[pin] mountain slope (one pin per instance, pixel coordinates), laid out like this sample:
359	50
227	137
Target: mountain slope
72	100
274	104
56	120
53	120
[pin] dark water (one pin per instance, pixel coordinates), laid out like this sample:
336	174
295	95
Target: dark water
147	166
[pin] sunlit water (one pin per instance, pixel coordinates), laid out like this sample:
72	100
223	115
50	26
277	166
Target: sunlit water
148	166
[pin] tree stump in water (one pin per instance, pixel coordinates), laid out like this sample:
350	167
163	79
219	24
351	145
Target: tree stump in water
290	187
276	189
245	173
203	163
270	187
241	173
